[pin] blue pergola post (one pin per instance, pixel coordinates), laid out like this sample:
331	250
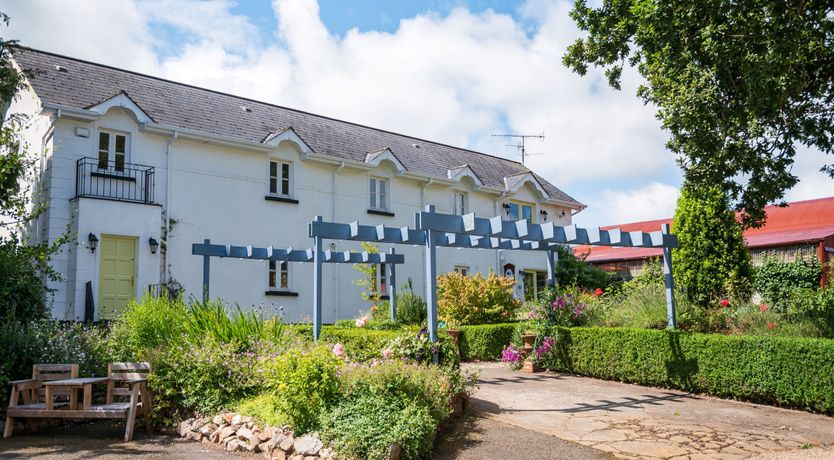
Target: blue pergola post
669	279
392	287
206	270
317	275
431	278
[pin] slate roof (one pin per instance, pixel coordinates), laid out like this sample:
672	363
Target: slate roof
85	84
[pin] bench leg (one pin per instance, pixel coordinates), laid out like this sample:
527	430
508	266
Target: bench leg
131	412
7	432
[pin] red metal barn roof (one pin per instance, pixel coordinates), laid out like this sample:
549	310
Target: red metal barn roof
799	222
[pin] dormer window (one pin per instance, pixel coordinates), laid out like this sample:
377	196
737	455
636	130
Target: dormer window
112	149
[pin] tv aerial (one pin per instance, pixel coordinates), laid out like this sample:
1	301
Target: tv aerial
521	143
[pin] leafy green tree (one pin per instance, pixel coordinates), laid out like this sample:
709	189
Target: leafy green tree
24	268
712	260
738	84
575	272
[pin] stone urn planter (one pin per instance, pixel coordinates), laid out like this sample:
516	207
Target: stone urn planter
454	334
529	344
530	367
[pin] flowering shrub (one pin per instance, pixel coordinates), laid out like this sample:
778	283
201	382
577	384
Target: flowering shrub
542	353
559	309
475	299
22	345
419	348
512	357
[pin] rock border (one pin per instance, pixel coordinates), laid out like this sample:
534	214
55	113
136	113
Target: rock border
239	433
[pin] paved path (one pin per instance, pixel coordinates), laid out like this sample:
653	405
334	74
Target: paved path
641	422
479	438
105	440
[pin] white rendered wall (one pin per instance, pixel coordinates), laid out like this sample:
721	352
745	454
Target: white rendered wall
217	192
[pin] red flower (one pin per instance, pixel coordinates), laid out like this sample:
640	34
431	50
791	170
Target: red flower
598	292
725	303
763	307
771	325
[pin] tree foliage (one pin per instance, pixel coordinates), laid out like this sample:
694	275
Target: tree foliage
776	280
572	270
24	267
712	260
738	84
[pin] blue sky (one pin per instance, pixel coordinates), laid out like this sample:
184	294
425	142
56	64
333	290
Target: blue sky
450	71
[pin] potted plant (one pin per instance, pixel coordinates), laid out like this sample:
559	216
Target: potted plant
536	360
453	331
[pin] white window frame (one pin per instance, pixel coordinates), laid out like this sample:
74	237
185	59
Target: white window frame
280	178
463	270
111	148
521	204
382	274
278	267
374	192
455	203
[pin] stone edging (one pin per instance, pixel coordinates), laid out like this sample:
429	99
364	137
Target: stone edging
237	433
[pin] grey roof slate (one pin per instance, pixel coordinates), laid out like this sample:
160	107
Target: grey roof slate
86	84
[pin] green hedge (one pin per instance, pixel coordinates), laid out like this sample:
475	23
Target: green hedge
485	342
793	372
359	343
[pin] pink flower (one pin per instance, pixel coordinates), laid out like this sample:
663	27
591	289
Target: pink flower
598	292
361	322
725	303
763	307
771	325
386	353
339	350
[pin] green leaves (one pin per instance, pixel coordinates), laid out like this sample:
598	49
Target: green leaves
739	85
712	260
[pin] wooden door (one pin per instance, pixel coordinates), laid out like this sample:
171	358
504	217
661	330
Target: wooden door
117	275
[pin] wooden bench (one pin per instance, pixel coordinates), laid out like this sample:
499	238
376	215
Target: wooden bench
125	380
27	394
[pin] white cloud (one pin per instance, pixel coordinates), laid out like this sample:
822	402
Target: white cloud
653	201
454	78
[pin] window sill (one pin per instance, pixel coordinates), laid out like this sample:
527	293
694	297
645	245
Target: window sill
112	176
279	293
378	212
281	199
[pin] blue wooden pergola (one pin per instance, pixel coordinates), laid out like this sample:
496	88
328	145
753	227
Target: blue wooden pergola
390	259
433	230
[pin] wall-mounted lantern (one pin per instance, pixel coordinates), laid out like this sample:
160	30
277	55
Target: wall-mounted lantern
154	245
93	242
543	213
506	208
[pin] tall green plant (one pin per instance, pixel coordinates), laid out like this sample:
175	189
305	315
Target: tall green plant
368	281
411	308
775	280
712	260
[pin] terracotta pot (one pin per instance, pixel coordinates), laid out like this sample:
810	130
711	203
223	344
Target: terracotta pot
529	344
530	367
454	334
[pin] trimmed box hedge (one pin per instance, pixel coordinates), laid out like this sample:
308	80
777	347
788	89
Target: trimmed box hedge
484	342
787	371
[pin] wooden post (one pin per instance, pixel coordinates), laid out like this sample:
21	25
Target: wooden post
206	268
431	279
392	287
669	280
317	258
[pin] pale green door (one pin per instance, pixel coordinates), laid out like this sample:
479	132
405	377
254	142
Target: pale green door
117	275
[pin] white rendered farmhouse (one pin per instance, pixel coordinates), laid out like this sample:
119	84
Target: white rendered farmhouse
142	167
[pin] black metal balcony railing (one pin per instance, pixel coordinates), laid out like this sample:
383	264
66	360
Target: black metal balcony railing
118	181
